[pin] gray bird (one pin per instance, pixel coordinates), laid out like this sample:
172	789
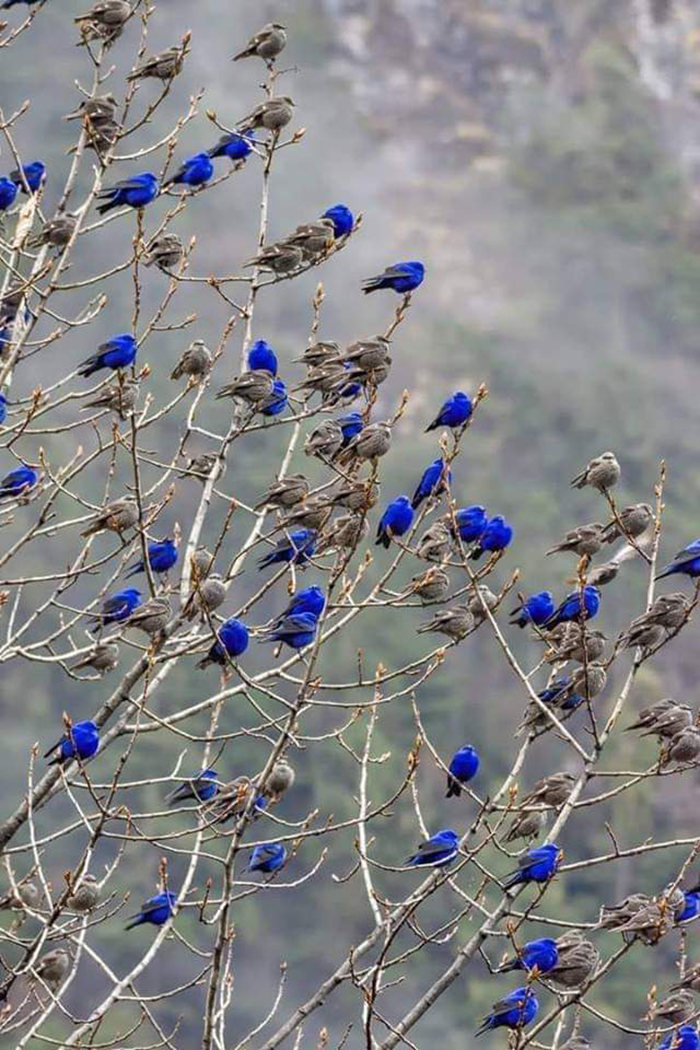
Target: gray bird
151	617
368	377
635	520
690	979
280	779
285	493
252	387
345	532
325	440
456	623
318	354
526	825
664	719
100	107
644	635
163	66
569	641
614	917
601	473
436	543
313	238
669	610
272	115
578	959
103	658
105	19
475	604
57	232
27	896
209	595
600	575
267	43
203	465
676	1008
117	516
585	540
103	135
86	897
324	378
684	747
53	967
232	800
165	252
117	397
313	513
553	790
195	361
202	561
354	495
650	922
279	258
368	354
431	586
371	443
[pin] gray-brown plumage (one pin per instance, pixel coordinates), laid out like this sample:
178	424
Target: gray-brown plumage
101	107
57	232
313	238
202	466
455	623
117	397
86	897
325	440
578	959
208	596
285	493
231	801
252	387
684	747
584	540
279	258
475	604
313	513
602	473
267	43
195	361
436	543
202	561
27	896
553	790
569	641
53	967
151	617
367	376
280	779
117	516
651	921
105	20
163	66
318	354
431	586
690	979
102	135
357	495
345	531
367	354
668	610
664	719
676	1008
165	252
103	658
614	916
633	522
371	443
324	378
644	635
272	115
526	825
600	575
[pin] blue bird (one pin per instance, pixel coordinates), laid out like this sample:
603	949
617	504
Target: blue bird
579	605
439	849
684	1038
277	401
268	858
690	909
542	954
537	865
351	425
296	631
156	911
454	413
81	741
194	171
118	352
342	218
347	393
512	1011
559	688
136	192
3	408
34	175
471	522
297	548
432	483
395	521
536	609
463	768
402	277
232	641
18	482
201	787
8	193
495	537
118	607
261	358
308	600
236	146
5	338
685	563
162	555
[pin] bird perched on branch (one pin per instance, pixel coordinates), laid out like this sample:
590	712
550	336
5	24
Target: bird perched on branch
553	790
684	1038
206	598
456	623
268	858
57	232
202	787
31	175
395	521
538	865
118	352
151	617
685	563
664	719
454	413
262	358
81	741
513	1011
234	145
682	748
18	482
432	483
313	238
630	523
579	605
195	361
251	387
276	401
136	192
325	440
342	218
163	66
578	959
542	955
279	258
164	252
195	171
602	473
118	516
463	767
469	523
105	20
96	108
436	542
103	658
267	43
156	911
403	277
231	642
297	631
313	513
430	586
117	608
571	641
162	555
495	538
297	549
584	540
280	779
438	850
8	193
536	609
53	967
285	493
272	115
529	824
86	896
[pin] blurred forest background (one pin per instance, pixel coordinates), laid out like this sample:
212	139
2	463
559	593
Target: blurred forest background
543	158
